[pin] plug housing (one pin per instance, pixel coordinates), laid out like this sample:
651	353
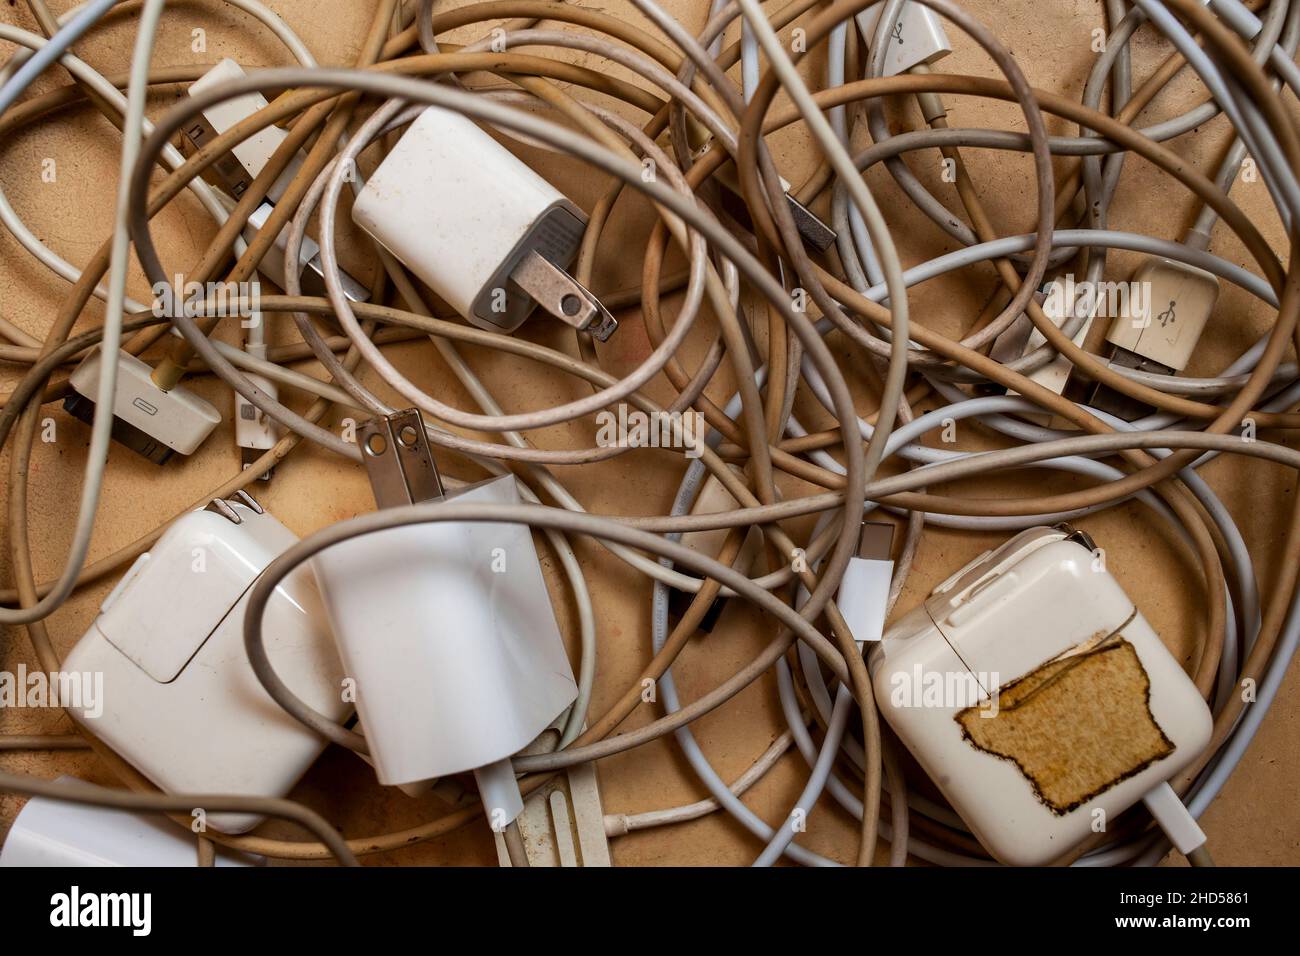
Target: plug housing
917	36
1179	300
1037	697
152	423
181	702
486	233
1157	333
1058	302
238	168
447	628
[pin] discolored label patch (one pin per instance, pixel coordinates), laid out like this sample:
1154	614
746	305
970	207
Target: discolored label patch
1076	726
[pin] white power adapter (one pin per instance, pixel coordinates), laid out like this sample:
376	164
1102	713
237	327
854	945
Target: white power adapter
1038	698
446	628
916	38
486	233
62	833
147	420
180	701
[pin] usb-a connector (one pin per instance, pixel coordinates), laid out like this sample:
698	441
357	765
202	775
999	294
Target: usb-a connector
238	168
1161	320
916	38
863	596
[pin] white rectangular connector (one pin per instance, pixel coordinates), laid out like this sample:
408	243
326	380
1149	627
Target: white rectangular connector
486	233
238	168
863	596
255	431
916	37
180	700
714	498
149	421
241	165
1037	697
1165	312
446	627
1022	337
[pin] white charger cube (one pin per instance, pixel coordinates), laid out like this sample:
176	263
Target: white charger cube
448	631
180	701
462	213
1036	696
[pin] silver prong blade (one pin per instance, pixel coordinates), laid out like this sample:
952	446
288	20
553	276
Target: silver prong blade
563	296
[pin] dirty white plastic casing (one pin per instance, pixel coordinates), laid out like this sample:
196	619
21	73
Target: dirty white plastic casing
448	631
181	702
63	833
1059	307
241	165
237	170
1006	613
177	419
461	211
916	37
255	431
1180	300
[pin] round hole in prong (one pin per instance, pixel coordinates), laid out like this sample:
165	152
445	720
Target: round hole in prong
570	304
376	444
407	435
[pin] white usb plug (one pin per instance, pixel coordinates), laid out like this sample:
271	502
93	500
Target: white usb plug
486	233
863	596
1022	338
916	38
1176	303
1158	325
238	168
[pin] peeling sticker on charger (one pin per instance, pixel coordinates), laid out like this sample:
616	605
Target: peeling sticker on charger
1075	726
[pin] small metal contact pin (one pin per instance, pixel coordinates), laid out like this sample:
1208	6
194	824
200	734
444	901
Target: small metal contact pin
398	460
876	540
221	506
811	228
1081	538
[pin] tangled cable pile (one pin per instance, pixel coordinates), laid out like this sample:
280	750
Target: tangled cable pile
703	134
